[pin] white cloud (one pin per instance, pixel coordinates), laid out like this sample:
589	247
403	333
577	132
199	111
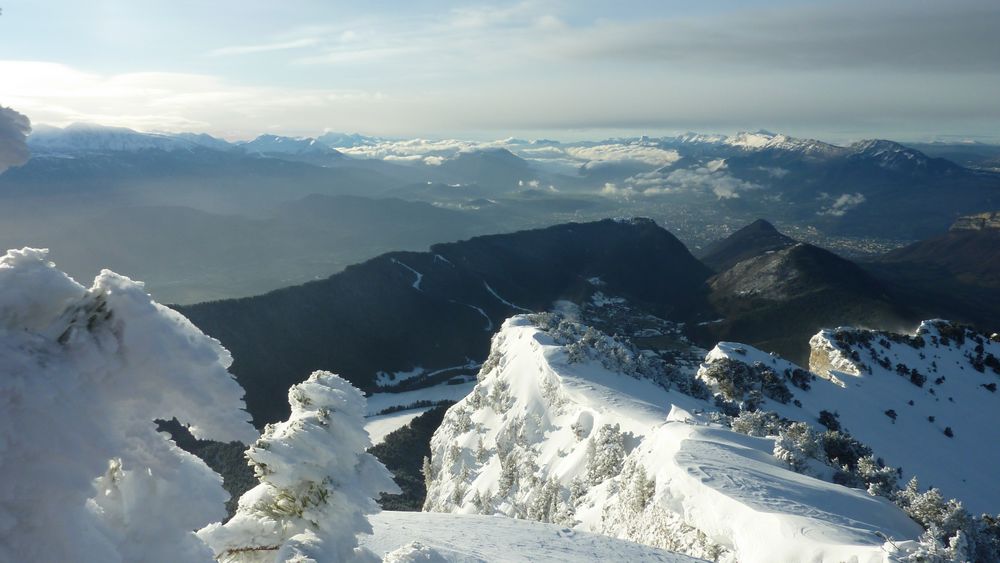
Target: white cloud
57	94
711	178
842	204
613	153
773	171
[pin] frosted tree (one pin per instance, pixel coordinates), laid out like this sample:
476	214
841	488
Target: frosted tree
796	445
930	549
605	454
317	483
881	479
757	423
547	501
83	374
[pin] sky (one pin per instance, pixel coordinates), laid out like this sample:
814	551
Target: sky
564	69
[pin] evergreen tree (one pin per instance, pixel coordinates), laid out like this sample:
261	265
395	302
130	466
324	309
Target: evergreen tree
317	483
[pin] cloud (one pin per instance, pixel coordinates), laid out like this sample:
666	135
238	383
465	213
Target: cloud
773	171
14	128
614	153
417	149
561	158
712	177
59	95
842	204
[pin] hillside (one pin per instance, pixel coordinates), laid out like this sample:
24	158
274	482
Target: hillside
777	299
752	240
954	275
896	393
969	251
431	314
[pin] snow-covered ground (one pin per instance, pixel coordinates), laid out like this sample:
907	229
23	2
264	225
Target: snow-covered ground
378	427
378	402
469	538
550	437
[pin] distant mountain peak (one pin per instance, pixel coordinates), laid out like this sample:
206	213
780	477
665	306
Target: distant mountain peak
894	156
90	137
755	239
761	225
270	144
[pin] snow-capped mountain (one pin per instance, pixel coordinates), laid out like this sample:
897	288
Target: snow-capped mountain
765	140
276	144
302	149
88	138
347	140
203	140
761	140
570	426
894	156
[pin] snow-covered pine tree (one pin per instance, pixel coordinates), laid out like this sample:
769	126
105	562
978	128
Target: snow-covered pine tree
317	483
796	445
83	375
605	454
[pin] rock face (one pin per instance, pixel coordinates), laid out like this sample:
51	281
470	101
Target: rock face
978	222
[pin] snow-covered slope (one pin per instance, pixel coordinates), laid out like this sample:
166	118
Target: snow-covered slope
572	427
902	395
462	538
380	426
